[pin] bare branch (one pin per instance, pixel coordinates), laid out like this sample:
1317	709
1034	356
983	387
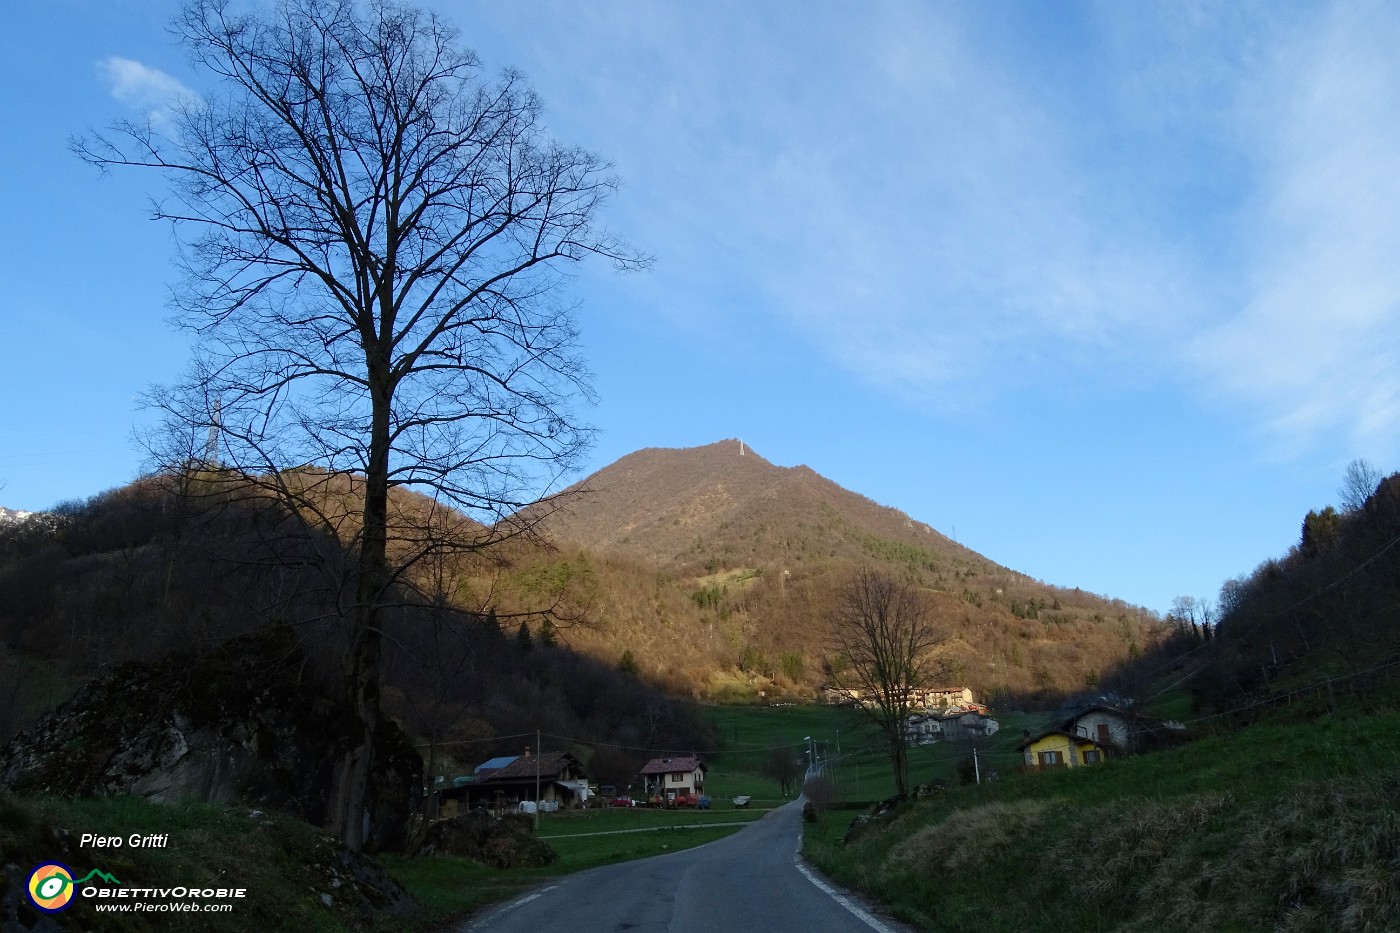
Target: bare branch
373	238
883	638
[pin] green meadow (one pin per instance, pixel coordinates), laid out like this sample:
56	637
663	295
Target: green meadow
1287	824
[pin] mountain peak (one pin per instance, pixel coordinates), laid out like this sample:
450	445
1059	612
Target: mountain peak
723	504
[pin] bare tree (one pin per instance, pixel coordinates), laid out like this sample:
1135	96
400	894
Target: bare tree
783	766
1192	617
374	239
884	637
1358	482
820	791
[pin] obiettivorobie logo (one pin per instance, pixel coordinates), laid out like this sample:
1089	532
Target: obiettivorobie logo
51	885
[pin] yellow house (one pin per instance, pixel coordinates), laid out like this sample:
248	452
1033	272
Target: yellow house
1058	748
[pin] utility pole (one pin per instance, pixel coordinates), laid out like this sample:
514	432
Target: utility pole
976	766
537	782
836	766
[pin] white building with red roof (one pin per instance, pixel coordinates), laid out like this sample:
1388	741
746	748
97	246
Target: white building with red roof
684	774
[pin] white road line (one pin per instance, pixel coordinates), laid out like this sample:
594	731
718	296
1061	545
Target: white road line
514	905
647	829
837	896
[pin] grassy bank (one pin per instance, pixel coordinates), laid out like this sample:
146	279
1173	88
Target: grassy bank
293	876
1289	824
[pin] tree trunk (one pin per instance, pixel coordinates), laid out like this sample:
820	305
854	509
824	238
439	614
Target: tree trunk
349	807
349	811
899	757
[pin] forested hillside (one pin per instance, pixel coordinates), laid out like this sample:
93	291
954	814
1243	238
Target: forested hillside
716	569
148	569
704	573
1320	617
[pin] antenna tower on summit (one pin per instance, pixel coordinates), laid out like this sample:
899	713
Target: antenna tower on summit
741	446
211	446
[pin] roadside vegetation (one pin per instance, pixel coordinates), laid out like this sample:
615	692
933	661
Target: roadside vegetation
1287	824
295	876
298	877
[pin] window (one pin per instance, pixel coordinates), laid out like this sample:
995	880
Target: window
1104	737
1091	756
1050	759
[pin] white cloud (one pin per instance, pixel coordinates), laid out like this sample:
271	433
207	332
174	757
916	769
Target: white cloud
945	230
953	204
888	187
149	90
1315	346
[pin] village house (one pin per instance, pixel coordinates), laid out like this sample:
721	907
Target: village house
668	777
501	784
840	696
1060	748
940	697
968	724
1123	731
923	729
924	698
951	725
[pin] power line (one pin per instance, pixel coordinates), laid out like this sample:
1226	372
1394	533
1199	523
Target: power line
1262	621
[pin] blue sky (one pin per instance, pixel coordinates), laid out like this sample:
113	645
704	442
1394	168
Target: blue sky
1106	291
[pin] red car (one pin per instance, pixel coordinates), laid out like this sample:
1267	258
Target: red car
622	802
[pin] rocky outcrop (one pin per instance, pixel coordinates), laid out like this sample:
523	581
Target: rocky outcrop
242	723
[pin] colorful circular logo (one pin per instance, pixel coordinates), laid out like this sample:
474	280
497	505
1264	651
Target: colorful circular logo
51	887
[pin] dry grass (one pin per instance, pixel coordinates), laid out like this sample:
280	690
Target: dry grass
1264	829
967	838
1117	848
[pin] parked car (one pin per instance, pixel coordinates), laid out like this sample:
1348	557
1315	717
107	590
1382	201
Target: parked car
622	802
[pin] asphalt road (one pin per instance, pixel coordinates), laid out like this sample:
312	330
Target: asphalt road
752	880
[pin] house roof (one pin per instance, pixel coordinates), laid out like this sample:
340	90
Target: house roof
546	764
494	764
1084	739
1128	717
674	765
1104	708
